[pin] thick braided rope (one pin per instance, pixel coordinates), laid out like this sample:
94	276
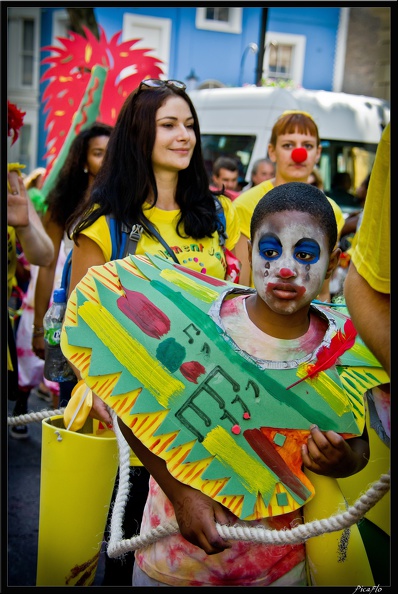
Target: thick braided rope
118	546
34	416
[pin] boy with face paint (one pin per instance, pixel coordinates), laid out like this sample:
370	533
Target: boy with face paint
279	329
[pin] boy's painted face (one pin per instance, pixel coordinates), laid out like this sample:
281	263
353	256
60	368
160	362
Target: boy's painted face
290	258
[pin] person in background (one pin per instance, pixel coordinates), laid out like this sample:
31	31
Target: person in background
23	226
353	219
347	239
153	171
315	179
25	232
71	189
293	243
262	170
295	148
23	271
30	367
340	190
225	177
362	190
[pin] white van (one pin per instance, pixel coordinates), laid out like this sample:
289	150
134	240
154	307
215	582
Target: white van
237	122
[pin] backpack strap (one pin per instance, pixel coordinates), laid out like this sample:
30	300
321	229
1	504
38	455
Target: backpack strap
126	238
66	272
133	236
221	221
162	241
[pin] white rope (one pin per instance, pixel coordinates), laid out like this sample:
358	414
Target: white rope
118	546
122	495
34	416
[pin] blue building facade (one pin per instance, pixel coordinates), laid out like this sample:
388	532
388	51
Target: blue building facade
203	49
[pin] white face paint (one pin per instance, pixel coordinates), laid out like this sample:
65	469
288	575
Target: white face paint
290	258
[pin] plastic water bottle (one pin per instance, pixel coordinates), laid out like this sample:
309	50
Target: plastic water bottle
56	366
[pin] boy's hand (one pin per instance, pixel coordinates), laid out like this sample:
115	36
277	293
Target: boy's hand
100	411
197	515
329	454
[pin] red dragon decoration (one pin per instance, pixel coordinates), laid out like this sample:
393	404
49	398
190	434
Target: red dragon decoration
70	72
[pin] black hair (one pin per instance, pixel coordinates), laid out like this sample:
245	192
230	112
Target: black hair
126	176
72	182
301	197
341	179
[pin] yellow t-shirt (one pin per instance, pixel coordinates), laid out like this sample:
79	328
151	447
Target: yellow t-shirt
371	249
246	202
204	255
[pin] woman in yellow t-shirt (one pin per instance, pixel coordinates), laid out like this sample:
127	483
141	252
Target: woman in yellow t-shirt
295	148
153	171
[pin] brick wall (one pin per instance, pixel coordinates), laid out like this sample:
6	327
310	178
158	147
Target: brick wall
368	52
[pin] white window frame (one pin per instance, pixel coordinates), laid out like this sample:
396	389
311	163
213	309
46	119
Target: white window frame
298	43
234	25
134	26
60	25
14	58
25	97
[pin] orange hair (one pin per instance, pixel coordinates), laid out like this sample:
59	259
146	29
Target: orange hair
292	121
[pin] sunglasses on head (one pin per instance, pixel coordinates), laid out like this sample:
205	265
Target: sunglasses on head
156	83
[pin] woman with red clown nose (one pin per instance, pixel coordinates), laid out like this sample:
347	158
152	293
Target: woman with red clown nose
295	148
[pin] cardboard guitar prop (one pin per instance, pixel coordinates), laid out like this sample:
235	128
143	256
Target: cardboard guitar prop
147	338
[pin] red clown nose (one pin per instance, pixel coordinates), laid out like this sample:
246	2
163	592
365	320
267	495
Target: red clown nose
299	154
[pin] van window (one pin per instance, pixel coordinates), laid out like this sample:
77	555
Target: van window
339	156
232	145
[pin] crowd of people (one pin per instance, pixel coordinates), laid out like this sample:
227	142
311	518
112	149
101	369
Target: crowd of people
282	236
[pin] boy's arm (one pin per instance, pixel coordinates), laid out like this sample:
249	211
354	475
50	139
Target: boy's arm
329	454
196	513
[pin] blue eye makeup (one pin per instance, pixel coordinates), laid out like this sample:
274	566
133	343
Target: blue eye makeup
307	251
269	248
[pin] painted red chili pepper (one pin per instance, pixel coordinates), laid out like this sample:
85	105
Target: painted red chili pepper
149	318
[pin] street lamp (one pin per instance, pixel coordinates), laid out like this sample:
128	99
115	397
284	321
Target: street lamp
253	48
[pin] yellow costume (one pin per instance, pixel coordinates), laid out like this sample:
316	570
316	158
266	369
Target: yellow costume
372	257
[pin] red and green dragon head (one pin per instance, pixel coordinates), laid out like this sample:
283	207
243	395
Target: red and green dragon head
69	75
